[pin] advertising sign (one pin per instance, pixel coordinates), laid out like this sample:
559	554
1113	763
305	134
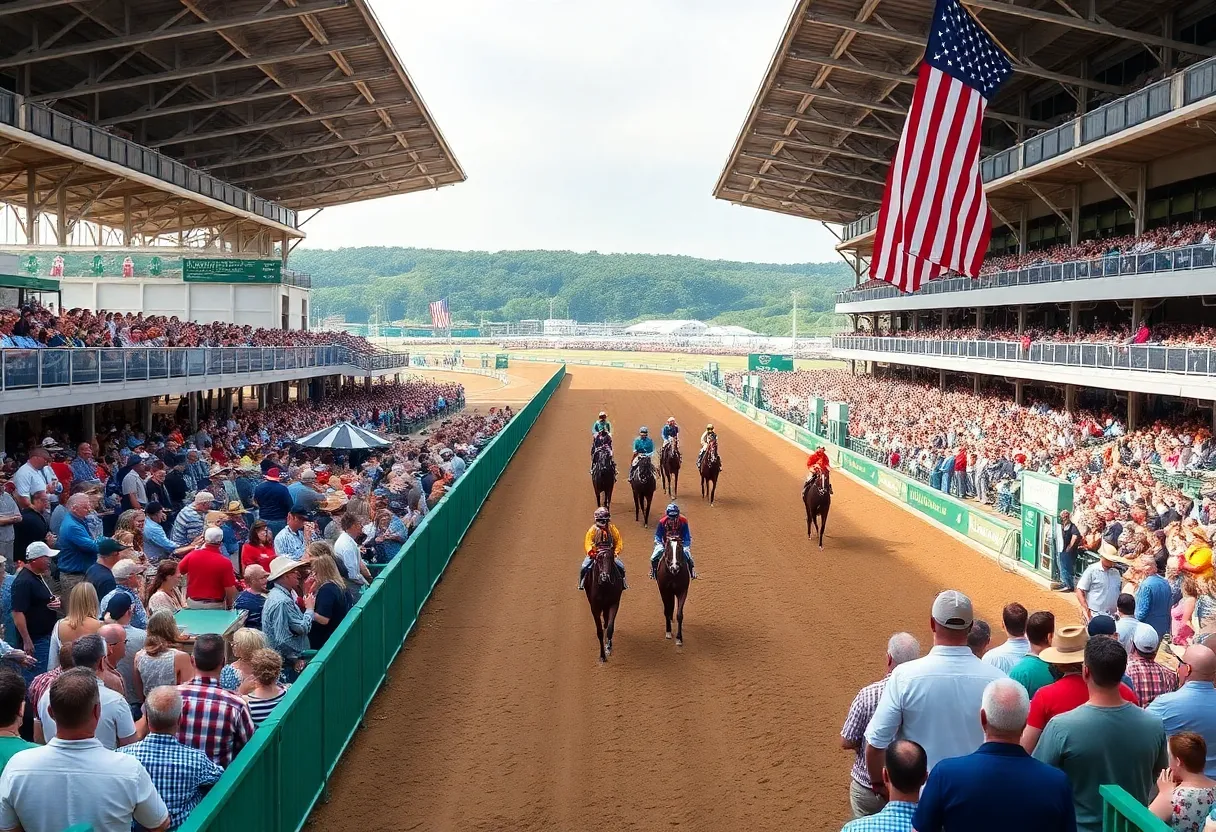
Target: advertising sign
211	270
768	361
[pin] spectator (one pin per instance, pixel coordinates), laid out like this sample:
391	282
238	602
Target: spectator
934	700
1031	795
238	676
1153	602
157	545
266	666
979	638
1184	793
115	727
1069	691
210	583
1031	672
33	528
129	580
160	662
35	608
329	591
1148	678
347	550
252	599
123	643
164	593
101	573
189	525
79	551
274	501
10	516
1005	656
181	774
104	790
903	774
259	549
34	476
12	714
285	625
1098	589
1125	620
214	721
1192	708
83	618
292	541
1106	740
1068	541
863	800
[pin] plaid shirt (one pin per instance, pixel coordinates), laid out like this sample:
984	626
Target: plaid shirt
855	724
40	685
896	816
1149	679
180	774
215	721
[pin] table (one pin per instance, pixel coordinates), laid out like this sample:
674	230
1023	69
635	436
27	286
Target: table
219	622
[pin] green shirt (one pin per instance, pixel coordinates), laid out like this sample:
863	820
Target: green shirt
598	426
1032	673
1095	746
10	746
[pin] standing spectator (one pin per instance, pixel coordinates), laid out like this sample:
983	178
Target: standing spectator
979	638
285	625
1153	603
253	597
863	800
330	606
1031	672
1192	708
274	501
903	774
115	726
10	516
118	614
1105	741
181	774
189	525
1149	678
101	573
12	714
160	662
35	607
34	476
1098	589
1068	540
134	494
293	539
74	779
1004	656
79	551
935	700
1125	621
214	721
33	528
266	666
210	582
1184	793
1032	795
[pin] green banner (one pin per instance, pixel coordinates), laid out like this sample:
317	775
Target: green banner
769	361
774	423
38	284
500	362
214	270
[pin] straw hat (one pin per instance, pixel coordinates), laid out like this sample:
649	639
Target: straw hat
235	507
332	503
280	566
1108	552
1068	646
217	469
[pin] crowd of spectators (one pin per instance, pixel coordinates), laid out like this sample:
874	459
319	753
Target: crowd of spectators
1166	334
101	696
34	327
672	345
1174	236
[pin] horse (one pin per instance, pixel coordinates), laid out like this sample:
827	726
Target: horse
710	466
642	480
669	467
673	574
603	476
603	587
818	500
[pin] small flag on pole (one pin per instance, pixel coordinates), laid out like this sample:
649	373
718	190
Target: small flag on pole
934	215
440	317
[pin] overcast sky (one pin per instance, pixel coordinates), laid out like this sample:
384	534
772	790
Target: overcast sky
583	125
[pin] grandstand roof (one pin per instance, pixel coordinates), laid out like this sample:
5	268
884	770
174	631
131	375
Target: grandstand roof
304	102
664	327
730	330
825	121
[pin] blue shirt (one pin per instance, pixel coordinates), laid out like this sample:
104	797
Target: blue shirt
643	445
896	816
1153	604
187	527
289	544
252	604
1190	708
77	548
157	545
1028	794
180	773
274	500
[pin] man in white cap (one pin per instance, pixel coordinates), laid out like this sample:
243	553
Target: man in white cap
934	701
35	608
1149	678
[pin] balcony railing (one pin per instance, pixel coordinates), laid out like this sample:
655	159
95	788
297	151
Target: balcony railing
1194	83
1200	361
1186	258
72	132
48	368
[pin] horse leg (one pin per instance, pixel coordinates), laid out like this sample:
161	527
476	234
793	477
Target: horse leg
610	616
809	519
683	596
823	527
669	602
713	491
675	483
599	628
636	506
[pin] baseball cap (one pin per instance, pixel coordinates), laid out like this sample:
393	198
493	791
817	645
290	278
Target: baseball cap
38	549
1102	625
110	546
153	508
1145	638
118	605
126	568
214	535
952	610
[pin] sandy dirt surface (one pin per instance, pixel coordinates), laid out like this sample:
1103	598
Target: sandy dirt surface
678	361
499	716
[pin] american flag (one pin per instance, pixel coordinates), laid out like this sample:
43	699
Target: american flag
934	215
440	316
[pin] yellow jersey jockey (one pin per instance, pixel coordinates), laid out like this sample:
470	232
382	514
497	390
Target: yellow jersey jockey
706	438
603	535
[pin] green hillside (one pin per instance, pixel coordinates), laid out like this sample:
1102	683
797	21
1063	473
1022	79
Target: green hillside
516	285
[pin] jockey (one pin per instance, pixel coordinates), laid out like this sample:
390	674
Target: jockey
672	525
817	464
706	438
601	424
642	446
603	439
671	432
603	534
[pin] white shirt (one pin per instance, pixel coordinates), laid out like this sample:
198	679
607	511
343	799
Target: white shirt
347	550
1125	628
934	701
1101	588
116	722
68	782
1005	656
133	483
29	480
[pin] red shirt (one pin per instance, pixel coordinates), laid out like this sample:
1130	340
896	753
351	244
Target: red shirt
261	555
209	573
1062	696
64	473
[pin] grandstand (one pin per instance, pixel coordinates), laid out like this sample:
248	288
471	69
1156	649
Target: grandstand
1097	164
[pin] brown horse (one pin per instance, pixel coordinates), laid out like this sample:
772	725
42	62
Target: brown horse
710	466
603	476
642	480
603	586
669	468
817	498
673	582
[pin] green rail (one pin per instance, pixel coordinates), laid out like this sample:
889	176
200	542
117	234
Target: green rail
277	779
1123	813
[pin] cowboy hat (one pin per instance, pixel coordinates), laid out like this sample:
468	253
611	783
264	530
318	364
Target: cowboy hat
280	566
1107	551
1068	646
332	503
217	469
235	507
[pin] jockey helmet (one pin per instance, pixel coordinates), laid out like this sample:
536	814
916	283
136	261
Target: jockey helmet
671	420
643	430
709	428
673	510
602	515
603	415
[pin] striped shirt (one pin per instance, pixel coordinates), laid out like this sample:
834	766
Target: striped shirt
289	544
285	626
215	721
187	527
179	773
261	708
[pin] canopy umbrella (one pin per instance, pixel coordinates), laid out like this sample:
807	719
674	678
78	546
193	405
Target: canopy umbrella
345	437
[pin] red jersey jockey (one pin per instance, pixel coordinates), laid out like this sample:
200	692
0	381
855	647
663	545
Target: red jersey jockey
675	525
817	463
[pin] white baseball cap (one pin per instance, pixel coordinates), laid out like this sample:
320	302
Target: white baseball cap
38	549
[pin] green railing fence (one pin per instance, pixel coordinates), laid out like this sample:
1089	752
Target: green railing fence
1123	813
276	780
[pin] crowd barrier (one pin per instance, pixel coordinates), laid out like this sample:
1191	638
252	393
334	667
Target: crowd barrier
275	782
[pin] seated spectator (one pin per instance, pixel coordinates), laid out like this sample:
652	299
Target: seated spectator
259	549
164	593
904	771
252	599
1149	679
160	663
1031	672
181	775
266	691
214	721
1016	645
1192	708
238	676
115	727
1184	793
1106	740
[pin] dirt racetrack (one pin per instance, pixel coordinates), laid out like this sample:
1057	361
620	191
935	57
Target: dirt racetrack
498	715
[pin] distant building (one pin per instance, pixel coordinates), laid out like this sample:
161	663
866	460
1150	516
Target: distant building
667	329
